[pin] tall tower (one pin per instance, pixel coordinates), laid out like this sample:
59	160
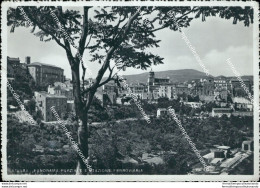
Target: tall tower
27	60
150	80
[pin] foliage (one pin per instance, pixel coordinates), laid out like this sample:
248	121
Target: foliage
30	106
113	142
123	35
193	98
23	138
113	34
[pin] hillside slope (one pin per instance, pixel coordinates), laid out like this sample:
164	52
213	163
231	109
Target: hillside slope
174	75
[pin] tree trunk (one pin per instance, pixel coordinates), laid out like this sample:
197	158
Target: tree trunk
82	121
83	145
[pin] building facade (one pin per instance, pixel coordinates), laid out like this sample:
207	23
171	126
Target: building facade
218	112
193	104
13	61
162	112
238	90
15	67
45	74
61	89
221	83
168	91
182	89
154	83
45	101
12	66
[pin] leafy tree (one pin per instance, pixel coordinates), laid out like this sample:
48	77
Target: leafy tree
30	106
193	98
38	115
114	36
163	99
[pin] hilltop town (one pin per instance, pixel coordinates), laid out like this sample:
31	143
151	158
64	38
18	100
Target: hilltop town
218	106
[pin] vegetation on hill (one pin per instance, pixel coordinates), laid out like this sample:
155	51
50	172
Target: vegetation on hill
23	85
175	76
111	34
181	75
112	142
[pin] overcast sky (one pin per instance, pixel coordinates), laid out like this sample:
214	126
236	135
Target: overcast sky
214	40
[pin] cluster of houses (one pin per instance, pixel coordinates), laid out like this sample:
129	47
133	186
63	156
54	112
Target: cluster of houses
207	90
222	159
42	74
59	91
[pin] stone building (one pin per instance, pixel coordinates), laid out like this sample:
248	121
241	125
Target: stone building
247	145
15	67
45	74
45	101
109	94
182	89
12	65
238	90
109	88
209	87
10	71
235	83
168	91
221	83
162	112
139	90
61	89
154	83
193	104
218	112
13	61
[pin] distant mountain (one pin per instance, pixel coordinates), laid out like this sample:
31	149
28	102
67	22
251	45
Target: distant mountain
246	77
181	75
251	78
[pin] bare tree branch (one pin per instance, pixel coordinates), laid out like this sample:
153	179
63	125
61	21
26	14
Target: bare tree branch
40	25
166	25
66	42
109	77
89	41
110	52
84	34
118	24
82	42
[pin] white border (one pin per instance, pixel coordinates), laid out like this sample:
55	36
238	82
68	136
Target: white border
254	177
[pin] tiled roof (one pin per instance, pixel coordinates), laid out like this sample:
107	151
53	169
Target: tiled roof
13	58
247	142
42	64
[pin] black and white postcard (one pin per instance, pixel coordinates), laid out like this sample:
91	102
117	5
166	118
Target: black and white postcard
130	91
